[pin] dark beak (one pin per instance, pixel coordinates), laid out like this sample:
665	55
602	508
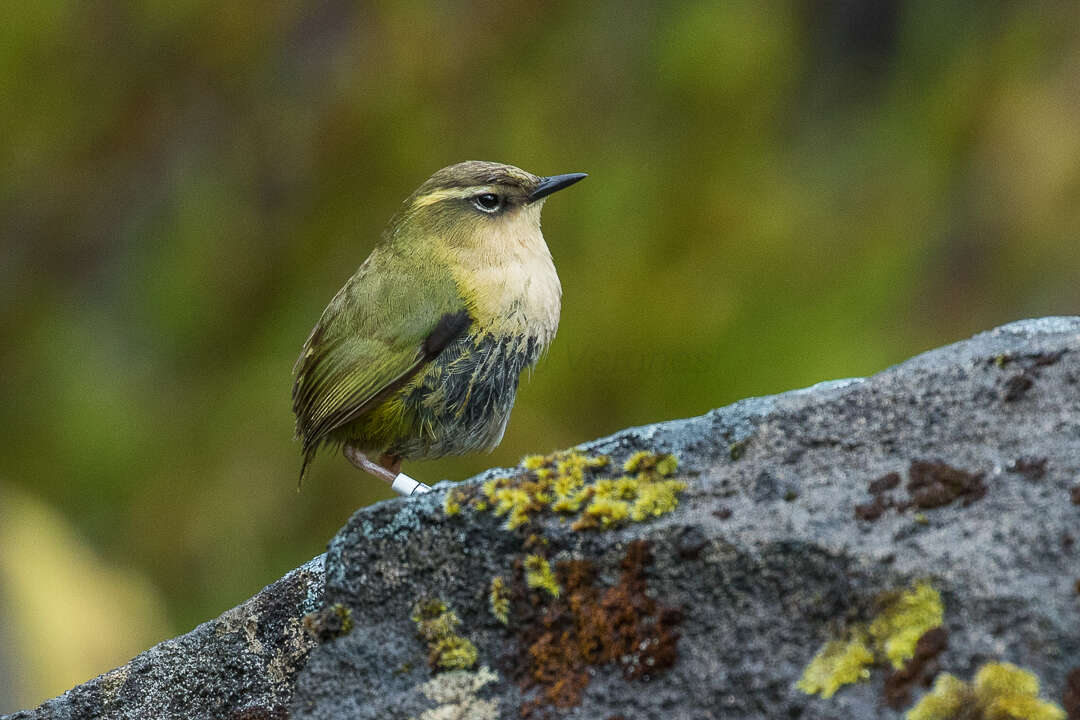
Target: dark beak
549	185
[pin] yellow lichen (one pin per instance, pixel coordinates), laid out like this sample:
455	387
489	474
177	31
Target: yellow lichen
943	702
562	483
574	463
344	614
891	634
636	498
452	503
535	540
837	664
533	462
499	599
1002	679
454	653
568	494
538	575
606	511
635	461
426	610
655	499
1023	708
491	486
566	504
1000	691
566	484
437	625
899	626
514	503
1007	692
620	488
644	461
667	465
433	620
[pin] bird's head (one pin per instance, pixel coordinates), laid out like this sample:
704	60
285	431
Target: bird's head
476	204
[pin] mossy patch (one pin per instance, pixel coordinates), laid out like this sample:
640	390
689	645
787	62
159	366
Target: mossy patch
1000	691
571	484
437	625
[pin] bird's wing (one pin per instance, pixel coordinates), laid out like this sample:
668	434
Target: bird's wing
375	335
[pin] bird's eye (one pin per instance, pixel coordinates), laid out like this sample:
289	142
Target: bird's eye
487	202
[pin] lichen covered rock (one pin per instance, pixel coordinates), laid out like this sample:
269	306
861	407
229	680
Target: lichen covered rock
904	546
896	528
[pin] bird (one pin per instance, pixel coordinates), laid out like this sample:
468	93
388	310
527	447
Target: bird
419	354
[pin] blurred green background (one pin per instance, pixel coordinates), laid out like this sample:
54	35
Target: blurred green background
779	193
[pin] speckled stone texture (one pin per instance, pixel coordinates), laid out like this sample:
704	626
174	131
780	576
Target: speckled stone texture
240	666
764	560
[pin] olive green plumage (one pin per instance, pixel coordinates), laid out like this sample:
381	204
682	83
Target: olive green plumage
419	354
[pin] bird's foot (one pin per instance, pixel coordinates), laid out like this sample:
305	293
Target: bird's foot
388	469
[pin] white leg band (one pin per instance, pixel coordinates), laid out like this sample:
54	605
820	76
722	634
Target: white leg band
405	485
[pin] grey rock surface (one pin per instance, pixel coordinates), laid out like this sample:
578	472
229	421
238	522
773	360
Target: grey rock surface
764	560
240	666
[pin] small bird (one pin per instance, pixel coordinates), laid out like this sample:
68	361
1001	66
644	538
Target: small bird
419	354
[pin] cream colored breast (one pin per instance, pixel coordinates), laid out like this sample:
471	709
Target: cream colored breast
508	278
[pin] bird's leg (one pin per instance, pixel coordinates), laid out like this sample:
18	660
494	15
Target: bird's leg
388	469
391	463
360	460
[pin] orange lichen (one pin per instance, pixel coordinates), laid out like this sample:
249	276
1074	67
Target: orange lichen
589	626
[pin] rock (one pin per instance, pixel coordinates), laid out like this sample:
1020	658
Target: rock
929	503
241	666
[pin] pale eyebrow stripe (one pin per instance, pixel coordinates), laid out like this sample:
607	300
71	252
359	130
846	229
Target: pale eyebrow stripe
458	192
